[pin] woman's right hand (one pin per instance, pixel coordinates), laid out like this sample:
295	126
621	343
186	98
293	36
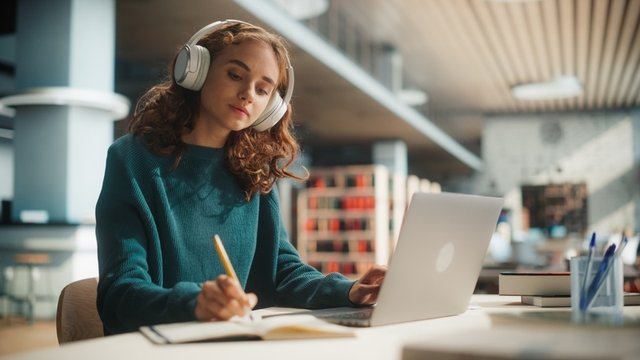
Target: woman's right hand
223	299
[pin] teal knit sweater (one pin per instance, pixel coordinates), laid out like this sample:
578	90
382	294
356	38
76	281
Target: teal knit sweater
155	227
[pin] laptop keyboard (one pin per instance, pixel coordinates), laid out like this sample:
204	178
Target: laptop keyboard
347	315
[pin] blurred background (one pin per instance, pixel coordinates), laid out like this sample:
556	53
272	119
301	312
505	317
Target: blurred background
534	101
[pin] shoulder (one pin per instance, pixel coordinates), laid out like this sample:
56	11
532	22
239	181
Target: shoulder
130	152
126	144
130	147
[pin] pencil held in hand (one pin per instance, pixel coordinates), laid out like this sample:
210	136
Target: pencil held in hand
222	253
228	268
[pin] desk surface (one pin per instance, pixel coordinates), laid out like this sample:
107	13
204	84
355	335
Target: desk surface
486	326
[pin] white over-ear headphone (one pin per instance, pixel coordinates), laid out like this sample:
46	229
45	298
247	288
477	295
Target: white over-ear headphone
192	64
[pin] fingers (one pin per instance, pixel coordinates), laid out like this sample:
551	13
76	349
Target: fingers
232	289
365	290
253	300
364	294
375	275
223	299
369	289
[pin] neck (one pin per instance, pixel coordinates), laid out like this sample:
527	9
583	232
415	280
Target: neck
202	135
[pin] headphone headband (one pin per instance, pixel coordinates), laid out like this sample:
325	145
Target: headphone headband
209	28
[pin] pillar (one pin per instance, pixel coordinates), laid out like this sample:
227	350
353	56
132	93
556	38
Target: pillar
61	134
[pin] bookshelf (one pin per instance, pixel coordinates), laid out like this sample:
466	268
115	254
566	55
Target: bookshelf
347	217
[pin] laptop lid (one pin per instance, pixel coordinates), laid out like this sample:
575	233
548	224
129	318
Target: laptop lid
438	257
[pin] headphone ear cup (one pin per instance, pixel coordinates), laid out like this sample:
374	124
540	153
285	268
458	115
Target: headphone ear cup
203	67
191	67
274	111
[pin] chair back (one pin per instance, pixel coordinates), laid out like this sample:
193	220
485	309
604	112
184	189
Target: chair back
77	316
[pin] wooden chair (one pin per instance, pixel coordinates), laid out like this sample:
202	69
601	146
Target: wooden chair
77	317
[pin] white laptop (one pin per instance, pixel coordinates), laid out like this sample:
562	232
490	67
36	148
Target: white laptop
438	257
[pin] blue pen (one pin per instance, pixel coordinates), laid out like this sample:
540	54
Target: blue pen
587	272
601	275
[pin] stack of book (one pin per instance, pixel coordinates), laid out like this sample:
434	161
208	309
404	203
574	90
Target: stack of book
545	289
537	288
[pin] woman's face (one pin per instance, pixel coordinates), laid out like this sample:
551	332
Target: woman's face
239	84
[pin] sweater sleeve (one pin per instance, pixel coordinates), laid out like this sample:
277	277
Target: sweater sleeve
299	284
130	291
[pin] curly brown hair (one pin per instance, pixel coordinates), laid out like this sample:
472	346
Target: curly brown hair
166	112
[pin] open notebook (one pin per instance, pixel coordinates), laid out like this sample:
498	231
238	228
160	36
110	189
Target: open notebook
288	327
433	271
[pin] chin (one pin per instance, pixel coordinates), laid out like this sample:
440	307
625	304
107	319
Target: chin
238	126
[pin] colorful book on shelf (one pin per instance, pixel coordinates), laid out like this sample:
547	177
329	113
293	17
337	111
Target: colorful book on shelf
565	301
534	283
288	327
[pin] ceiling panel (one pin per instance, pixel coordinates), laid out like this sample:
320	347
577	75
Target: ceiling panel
512	43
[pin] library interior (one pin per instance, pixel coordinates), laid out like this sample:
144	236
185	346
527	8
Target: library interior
535	102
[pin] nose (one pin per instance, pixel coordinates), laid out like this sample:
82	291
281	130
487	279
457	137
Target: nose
246	94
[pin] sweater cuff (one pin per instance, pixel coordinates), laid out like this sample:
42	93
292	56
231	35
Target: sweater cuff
343	286
187	294
351	303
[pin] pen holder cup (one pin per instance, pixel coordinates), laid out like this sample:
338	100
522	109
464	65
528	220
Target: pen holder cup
602	304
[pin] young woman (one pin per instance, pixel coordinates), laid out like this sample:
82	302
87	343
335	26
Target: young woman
203	155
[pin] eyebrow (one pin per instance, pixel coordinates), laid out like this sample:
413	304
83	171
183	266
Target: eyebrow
246	67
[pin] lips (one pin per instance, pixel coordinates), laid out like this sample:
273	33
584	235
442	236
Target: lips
239	109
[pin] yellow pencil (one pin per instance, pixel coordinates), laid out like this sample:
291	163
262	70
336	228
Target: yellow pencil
228	268
222	253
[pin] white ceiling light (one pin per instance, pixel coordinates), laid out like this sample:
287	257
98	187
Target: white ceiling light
303	9
559	88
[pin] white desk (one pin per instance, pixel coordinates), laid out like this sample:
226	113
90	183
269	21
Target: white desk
491	328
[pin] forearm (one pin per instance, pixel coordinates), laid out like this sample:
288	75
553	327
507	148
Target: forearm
131	292
301	285
125	304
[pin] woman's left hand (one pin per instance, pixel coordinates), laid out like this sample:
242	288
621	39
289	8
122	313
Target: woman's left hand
365	290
